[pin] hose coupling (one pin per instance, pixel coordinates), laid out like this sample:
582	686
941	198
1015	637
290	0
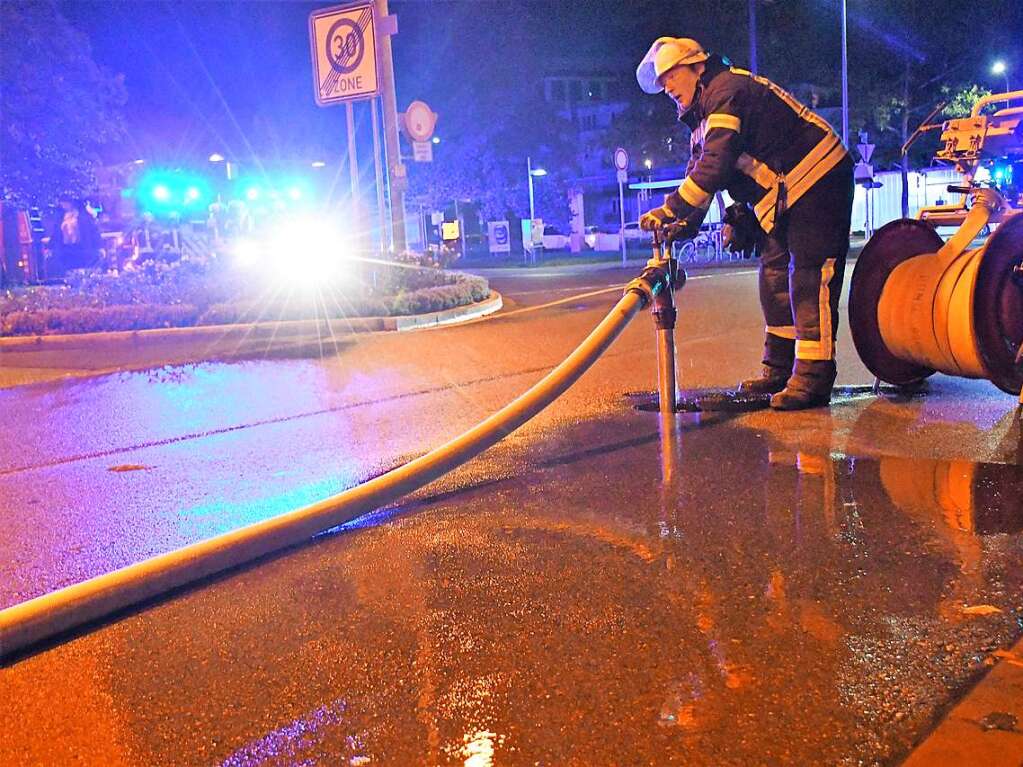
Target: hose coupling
655	278
664	312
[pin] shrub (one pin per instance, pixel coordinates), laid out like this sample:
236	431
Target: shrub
187	293
98	319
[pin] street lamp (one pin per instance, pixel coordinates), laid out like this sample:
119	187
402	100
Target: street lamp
228	170
530	172
845	73
1001	68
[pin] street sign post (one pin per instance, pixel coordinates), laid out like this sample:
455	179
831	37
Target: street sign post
499	236
621	160
344	50
419	121
422	151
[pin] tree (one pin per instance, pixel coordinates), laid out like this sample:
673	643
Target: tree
485	161
906	63
59	109
647	130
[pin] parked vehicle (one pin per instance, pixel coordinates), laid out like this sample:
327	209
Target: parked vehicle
636	236
597	238
553	239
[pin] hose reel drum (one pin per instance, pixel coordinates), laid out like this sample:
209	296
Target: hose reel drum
920	305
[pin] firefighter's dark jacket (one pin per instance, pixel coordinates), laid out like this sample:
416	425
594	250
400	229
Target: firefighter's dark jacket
755	140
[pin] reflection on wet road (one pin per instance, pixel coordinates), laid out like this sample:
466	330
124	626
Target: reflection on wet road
733	602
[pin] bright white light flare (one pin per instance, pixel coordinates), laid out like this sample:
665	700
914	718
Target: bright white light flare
304	251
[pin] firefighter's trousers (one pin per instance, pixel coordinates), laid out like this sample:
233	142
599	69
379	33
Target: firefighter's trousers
802	266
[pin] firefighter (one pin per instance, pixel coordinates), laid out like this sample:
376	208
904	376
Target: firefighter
794	177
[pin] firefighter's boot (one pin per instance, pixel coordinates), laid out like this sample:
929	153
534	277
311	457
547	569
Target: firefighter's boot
810	386
779	354
770	381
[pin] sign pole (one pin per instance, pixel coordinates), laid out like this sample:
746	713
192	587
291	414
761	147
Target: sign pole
621	211
346	50
621	162
378	170
395	169
353	160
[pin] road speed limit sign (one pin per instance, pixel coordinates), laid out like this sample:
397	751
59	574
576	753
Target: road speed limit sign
343	44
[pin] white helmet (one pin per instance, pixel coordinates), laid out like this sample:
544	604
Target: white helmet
667	53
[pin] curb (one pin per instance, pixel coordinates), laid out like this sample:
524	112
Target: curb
984	726
250	331
450	316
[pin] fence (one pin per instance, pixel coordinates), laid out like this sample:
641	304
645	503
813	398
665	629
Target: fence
926	187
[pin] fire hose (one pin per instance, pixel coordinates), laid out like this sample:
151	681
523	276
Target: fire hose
65	610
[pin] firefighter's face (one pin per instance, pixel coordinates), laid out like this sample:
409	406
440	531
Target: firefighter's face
680	84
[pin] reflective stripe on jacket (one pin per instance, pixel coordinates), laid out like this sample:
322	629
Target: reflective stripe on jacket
758	142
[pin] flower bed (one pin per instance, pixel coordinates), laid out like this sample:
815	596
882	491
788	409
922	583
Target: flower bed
192	293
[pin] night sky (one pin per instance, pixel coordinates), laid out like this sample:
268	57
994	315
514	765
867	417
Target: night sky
235	76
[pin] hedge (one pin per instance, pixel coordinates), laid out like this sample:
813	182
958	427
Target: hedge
64	310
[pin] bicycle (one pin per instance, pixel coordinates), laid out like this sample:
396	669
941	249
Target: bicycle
705	248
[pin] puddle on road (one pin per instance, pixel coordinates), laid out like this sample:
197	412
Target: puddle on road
655	591
737	602
727	400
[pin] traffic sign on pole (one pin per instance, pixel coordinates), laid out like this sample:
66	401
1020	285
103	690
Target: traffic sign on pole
621	160
344	51
422	151
419	121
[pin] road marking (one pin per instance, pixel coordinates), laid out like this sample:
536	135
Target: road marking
267	421
555	290
362	403
590	294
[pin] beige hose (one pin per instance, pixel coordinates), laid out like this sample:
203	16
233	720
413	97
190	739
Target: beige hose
66	609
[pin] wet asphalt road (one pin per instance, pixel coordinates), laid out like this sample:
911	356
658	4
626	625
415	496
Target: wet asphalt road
601	588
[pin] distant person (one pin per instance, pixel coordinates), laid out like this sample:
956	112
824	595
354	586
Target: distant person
76	239
766	149
215	221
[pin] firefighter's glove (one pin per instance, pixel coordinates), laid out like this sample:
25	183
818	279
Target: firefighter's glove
654	220
741	229
680	231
